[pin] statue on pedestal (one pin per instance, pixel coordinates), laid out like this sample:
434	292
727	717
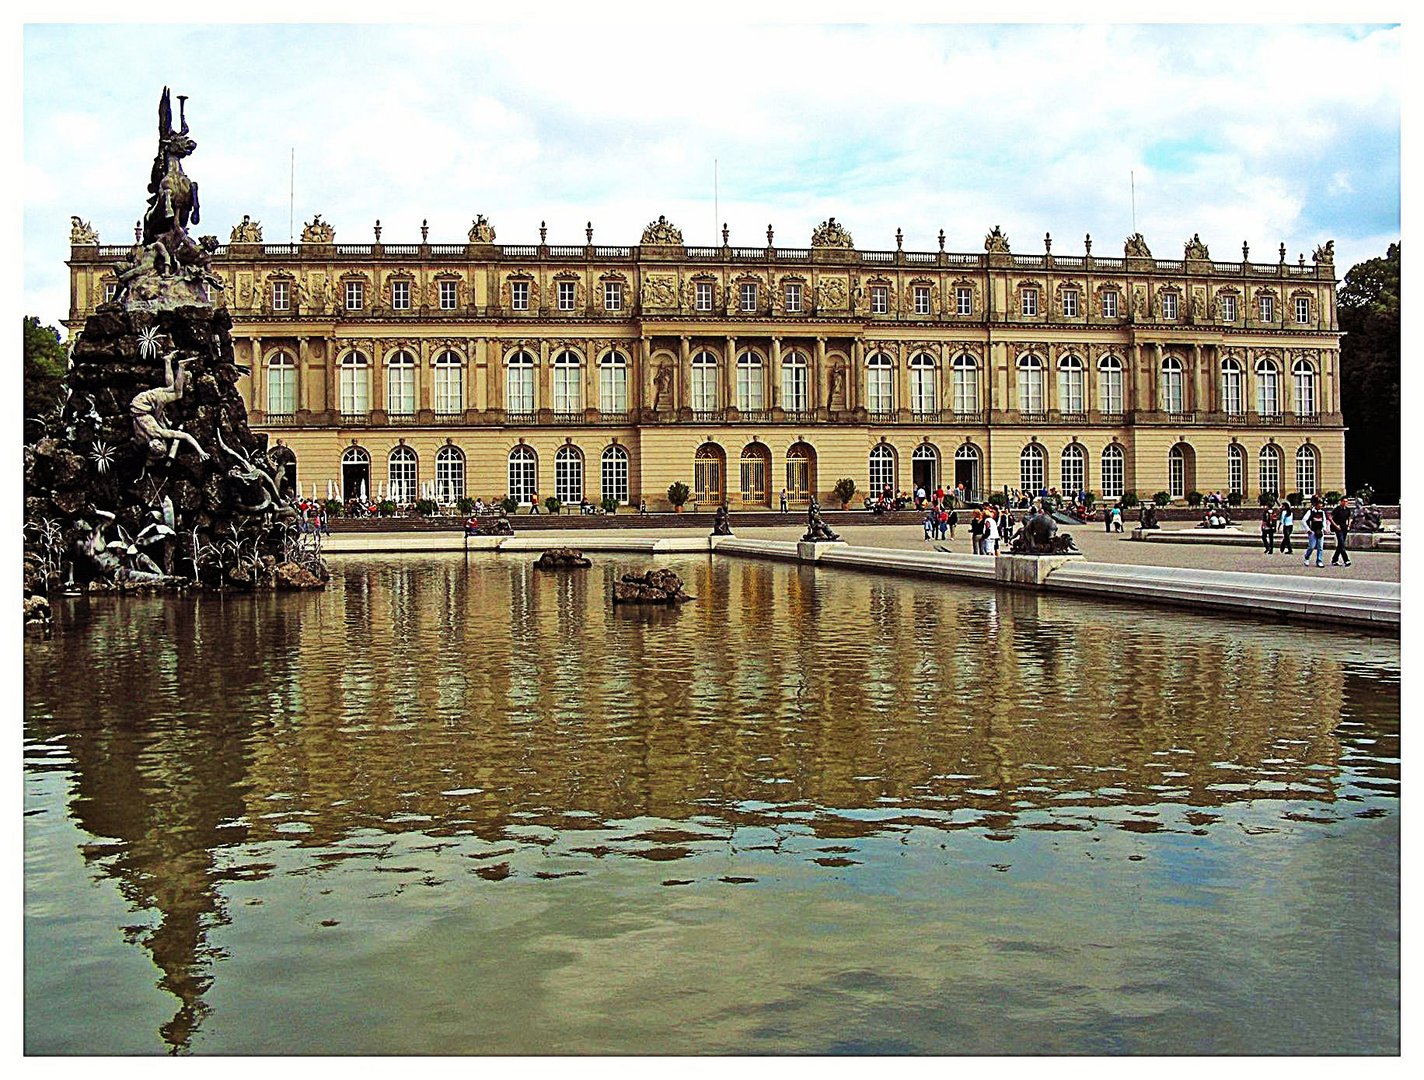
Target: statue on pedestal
721	522
817	531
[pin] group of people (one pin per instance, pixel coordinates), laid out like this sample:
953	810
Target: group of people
937	497
312	516
1316	519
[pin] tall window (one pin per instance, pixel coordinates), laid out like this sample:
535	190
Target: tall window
613	481
519	384
355	295
704	382
793	298
355	385
449	292
1073	469
1071	382
613	384
1177	471
1235	469
922	299
281	296
1228	307
1304	372
879	300
882	470
568	383
519	295
402	475
1030	385
449	384
924	401
1110	304
749	296
708	469
1267	304
400	384
1110	385
1113	471
755	465
800	473
1028	301
566	295
1070	303
1270	470
523	473
449	474
1302	309
879	384
568	475
751	387
1305	470
963	300
400	295
1233	383
1033	469
1169	306
704	296
1268	389
1173	387
965	376
281	385
613	296
794	395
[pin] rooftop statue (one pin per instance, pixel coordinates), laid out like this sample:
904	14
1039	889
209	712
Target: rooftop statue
246	231
317	231
1135	247
481	231
662	232
81	232
831	234
1325	253
1195	249
996	242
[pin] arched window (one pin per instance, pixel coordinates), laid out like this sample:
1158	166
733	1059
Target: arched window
568	475
1110	385
449	384
924	468
355	388
1235	469
1268	391
355	473
281	385
400	384
1071	382
613	384
1173	390
879	384
1033	469
1270	470
1073	470
1179	461
402	475
755	467
1304	372
568	384
751	387
966	471
704	382
709	467
800	473
882	471
1306	470
1031	385
924	401
449	474
1233	383
795	396
1113	472
614	474
519	384
965	375
523	473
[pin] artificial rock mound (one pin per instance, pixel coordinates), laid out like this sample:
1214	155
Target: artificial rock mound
561	559
650	587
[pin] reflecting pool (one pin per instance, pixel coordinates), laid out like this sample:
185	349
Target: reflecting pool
456	806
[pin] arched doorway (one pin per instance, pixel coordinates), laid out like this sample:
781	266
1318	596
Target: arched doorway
966	471
924	468
755	471
709	468
800	473
1181	470
355	474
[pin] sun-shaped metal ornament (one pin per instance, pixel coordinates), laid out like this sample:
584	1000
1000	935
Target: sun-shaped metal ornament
148	342
103	455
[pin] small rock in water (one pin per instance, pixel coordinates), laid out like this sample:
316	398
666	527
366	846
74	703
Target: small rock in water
650	587
561	559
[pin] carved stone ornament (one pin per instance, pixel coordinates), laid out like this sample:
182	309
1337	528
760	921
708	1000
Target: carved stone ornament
1195	249
996	242
660	290
81	232
246	231
317	231
831	234
1135	247
662	232
832	294
1325	253
481	231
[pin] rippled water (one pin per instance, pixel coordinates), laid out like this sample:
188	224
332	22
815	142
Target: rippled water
467	808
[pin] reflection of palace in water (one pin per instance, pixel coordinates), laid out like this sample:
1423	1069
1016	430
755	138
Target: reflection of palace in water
460	702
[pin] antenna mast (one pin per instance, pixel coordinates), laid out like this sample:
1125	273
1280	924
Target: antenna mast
1132	181
292	196
716	211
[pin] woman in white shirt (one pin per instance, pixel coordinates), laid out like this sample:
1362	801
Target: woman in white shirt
991	534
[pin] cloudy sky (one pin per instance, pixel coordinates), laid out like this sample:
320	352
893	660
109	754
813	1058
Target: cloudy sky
1262	133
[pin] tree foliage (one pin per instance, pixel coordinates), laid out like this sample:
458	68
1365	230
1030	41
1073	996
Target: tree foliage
46	361
1368	304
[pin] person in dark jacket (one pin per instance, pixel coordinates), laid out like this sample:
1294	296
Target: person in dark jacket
1268	529
1315	519
1340	522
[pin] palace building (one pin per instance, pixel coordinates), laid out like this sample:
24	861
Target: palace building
593	371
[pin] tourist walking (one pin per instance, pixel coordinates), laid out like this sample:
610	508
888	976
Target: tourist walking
1315	532
783	500
1340	523
953	521
534	503
1287	520
991	532
1268	529
943	521
1117	519
976	532
929	523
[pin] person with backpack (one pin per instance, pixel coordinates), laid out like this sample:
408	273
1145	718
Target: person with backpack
1315	532
1340	523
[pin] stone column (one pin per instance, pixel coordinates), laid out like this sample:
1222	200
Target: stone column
543	393
333	371
259	381
773	391
424	378
303	351
590	375
729	383
477	395
902	377
1050	379
1198	402
684	371
644	374
855	380
817	396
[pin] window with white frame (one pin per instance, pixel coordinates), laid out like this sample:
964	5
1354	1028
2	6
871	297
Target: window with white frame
281	385
1070	303
1033	469
401	475
1268	389
449	295
1304	374
1270	470
1302	309
400	295
1233	387
613	479
281	296
964	384
1028	301
449	474
704	382
879	384
568	383
1030	385
400	384
1305	470
566	296
924	398
1169	306
922	299
882	471
1073	470
1235	469
1072	383
879	299
355	295
519	384
519	295
613	384
963	300
1228	307
449	384
1113	472
793	298
1177	471
751	391
1110	304
523	473
354	389
1110	385
703	297
613	296
568	475
111	290
748	293
1173	388
794	384
1267	306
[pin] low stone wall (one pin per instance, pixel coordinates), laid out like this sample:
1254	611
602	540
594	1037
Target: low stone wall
1247	537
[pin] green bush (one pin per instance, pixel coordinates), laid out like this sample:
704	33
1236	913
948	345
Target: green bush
1332	496
845	491
1194	498
1296	498
678	493
1090	499
1129	500
333	507
465	506
552	504
1267	498
385	508
427	507
999	499
1161	498
610	505
1366	494
509	504
1233	498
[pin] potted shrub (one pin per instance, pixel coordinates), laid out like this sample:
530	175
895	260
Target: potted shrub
1194	498
610	505
1296	498
845	491
999	499
678	494
1366	494
385	508
1090	499
1161	498
1267	498
465	505
426	507
1233	498
552	504
1332	497
1129	500
333	507
509	504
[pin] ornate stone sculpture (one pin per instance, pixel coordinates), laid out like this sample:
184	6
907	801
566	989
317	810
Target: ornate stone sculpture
246	231
481	231
838	384
1135	247
150	424
317	231
1147	516
832	294
662	383
996	242
721	522
662	233
1325	253
81	232
1195	249
817	531
1040	536
660	291
831	234
1365	518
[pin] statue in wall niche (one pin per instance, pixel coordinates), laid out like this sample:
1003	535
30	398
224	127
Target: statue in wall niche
838	384
1198	306
662	383
150	425
1135	247
1195	249
246	231
1139	303
81	232
831	234
661	232
817	531
481	231
996	242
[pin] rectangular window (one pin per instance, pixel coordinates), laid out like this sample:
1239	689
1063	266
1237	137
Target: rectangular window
111	289
355	295
1268	308
1070	303
1110	305
879	300
704	296
1169	306
566	296
1302	309
1028	301
281	296
749	296
922	299
793	298
400	295
613	296
964	301
448	292
519	295
1228	308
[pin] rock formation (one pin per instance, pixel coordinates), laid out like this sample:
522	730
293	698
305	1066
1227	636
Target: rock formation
561	559
650	587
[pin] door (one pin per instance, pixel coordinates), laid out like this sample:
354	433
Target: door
355	480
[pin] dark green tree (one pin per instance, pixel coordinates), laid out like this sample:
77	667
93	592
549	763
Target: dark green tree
45	364
1368	304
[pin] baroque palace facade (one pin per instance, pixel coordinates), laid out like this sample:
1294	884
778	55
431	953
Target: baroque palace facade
591	371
